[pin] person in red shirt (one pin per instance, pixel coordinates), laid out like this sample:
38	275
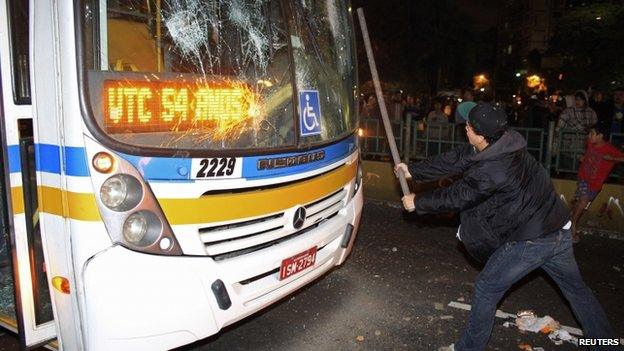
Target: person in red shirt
596	164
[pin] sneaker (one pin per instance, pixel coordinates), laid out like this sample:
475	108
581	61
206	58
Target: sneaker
451	347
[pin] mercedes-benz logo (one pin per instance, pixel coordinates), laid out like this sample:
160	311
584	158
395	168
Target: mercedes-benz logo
299	218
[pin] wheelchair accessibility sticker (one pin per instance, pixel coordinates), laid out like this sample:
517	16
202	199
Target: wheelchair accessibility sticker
310	119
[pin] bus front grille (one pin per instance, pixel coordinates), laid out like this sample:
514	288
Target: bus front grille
242	237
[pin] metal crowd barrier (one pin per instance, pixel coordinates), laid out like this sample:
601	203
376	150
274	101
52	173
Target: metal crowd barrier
559	151
568	149
373	139
417	141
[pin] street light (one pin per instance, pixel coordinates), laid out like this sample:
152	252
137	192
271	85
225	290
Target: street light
480	81
534	81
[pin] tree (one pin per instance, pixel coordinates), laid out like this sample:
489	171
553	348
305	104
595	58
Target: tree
427	44
590	39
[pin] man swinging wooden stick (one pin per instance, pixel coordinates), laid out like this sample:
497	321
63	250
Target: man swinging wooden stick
511	218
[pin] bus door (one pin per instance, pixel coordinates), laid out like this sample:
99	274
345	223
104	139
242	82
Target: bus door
25	304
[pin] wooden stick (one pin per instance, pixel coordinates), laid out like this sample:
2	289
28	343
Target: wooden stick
382	103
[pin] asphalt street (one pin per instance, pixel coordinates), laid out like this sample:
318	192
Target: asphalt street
393	292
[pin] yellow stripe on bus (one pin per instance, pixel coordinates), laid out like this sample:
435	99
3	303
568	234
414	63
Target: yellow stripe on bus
81	206
211	208
226	207
17	199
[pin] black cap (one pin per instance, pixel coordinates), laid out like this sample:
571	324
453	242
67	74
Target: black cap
487	120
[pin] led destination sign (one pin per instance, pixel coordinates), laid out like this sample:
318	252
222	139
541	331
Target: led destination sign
135	107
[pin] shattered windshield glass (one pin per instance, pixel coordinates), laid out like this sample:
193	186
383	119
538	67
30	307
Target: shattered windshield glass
193	74
322	41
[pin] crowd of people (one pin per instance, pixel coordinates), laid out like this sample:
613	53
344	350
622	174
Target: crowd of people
591	125
576	111
572	115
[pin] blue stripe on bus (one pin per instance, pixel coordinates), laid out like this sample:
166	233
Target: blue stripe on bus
49	160
332	153
171	168
14	159
76	161
161	168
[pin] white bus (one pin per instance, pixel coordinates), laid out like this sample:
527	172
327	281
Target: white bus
170	167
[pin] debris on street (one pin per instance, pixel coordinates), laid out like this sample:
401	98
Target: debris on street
529	321
559	336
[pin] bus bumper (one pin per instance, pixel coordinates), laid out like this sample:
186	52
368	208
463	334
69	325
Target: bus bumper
135	301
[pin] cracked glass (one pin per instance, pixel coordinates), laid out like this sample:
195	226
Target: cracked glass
324	56
217	75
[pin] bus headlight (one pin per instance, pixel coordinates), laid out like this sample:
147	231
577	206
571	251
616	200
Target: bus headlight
128	208
121	192
135	228
142	228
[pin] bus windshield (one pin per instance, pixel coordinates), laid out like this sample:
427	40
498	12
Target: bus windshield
220	74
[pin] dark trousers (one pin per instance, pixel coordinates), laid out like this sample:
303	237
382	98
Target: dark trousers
513	261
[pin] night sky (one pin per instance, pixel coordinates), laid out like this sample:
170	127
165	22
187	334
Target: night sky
433	45
417	41
483	13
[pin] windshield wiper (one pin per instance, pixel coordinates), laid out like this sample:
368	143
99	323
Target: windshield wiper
315	45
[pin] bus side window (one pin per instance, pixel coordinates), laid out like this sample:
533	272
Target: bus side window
18	18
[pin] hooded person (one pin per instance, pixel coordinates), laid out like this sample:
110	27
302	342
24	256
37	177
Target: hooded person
578	117
572	128
511	219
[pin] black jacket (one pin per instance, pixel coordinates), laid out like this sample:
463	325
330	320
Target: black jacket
504	194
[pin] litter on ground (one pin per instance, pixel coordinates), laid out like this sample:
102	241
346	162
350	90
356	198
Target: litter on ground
529	321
